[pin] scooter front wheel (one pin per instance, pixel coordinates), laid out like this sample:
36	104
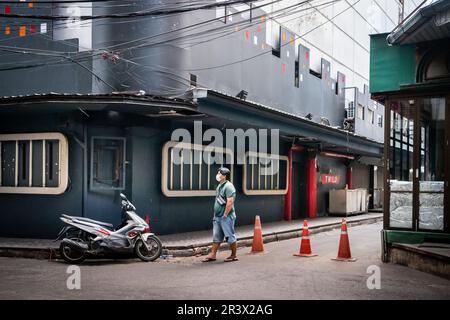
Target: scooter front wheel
149	251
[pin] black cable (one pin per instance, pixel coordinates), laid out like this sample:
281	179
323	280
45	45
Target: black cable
161	42
326	4
198	25
61	1
343	31
173	74
270	51
96	54
362	17
206	22
385	13
164	73
65	57
127	15
194	26
93	1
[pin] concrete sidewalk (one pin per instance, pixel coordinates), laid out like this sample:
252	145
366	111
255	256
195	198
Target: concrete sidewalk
198	242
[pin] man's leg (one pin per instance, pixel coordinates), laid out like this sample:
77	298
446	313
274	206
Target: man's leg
217	239
233	248
228	227
215	246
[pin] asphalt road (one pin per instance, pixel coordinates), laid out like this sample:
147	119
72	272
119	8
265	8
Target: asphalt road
276	274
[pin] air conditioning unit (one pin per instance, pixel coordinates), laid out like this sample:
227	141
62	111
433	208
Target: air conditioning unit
350	110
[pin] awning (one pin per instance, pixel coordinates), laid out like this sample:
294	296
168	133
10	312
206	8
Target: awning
145	105
214	107
429	23
371	161
249	113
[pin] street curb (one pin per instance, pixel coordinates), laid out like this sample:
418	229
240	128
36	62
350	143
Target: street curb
32	253
196	249
204	248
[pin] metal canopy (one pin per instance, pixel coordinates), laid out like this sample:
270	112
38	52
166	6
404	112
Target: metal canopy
150	106
252	114
213	104
429	23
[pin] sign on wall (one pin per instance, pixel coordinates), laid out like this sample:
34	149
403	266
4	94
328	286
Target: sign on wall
330	179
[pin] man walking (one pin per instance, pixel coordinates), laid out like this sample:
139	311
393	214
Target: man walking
224	216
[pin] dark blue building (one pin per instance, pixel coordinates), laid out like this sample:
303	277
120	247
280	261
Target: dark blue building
88	107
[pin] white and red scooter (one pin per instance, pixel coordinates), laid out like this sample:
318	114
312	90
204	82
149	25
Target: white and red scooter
84	236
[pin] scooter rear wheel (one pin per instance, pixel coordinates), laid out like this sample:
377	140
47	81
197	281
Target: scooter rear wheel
144	253
71	255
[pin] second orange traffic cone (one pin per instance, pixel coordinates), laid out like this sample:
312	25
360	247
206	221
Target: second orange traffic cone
257	245
344	253
305	244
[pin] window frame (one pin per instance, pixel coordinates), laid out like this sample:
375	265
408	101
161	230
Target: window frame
263	192
165	170
360	107
91	178
380	120
63	161
371	116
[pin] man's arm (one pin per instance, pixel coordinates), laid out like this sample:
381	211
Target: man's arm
229	205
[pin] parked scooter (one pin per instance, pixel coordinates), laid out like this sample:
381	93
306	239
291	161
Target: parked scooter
84	236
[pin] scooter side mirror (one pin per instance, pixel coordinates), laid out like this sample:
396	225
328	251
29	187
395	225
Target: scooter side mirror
123	197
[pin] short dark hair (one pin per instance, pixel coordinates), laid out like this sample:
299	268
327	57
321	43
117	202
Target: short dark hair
225	171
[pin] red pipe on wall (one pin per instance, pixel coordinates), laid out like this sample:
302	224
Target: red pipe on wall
311	186
349	177
288	196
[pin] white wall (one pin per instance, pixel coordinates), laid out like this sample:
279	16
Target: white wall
345	40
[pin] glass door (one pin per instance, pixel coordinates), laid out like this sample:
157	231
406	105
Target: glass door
418	160
432	163
400	169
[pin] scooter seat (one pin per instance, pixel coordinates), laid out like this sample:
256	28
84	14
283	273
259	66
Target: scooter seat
105	224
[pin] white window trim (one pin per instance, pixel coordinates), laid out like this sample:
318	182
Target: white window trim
264	192
360	107
63	163
371	116
379	116
165	170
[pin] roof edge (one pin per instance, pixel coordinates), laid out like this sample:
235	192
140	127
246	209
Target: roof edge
416	21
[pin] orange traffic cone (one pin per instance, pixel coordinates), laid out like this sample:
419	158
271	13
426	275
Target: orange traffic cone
257	245
305	245
344	253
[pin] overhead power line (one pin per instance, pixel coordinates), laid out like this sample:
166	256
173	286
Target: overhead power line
99	51
270	51
188	27
155	12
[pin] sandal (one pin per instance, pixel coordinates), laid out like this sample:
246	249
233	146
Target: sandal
230	259
209	259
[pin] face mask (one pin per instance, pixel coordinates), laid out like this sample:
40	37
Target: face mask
218	176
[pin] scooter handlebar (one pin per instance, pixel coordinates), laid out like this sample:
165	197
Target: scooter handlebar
127	205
